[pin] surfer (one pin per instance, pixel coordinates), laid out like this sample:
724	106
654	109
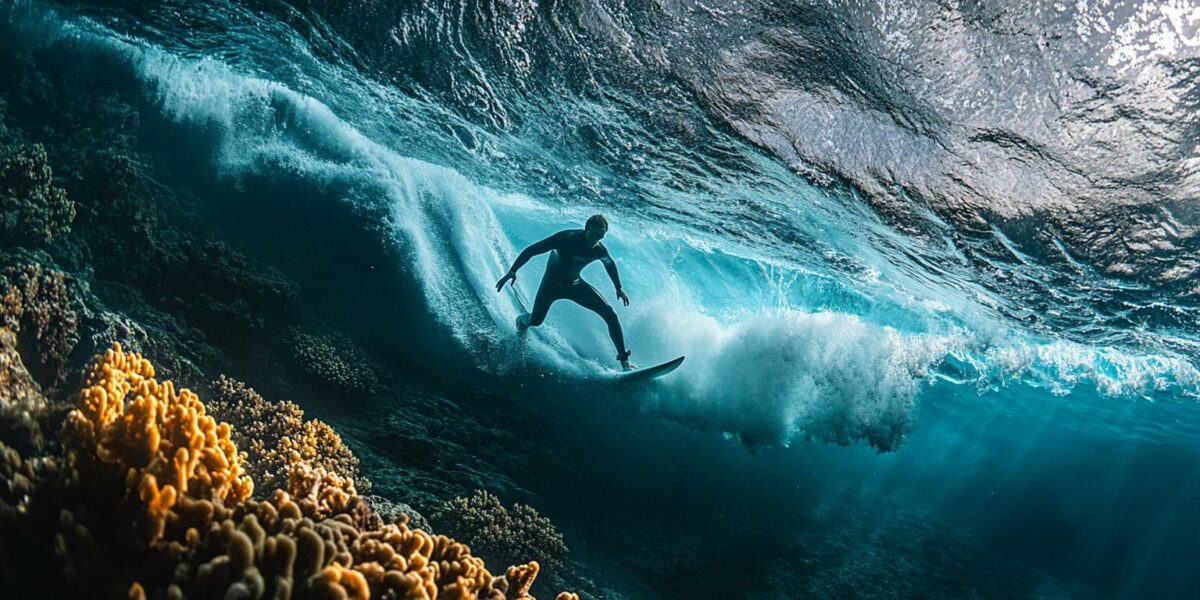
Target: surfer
572	250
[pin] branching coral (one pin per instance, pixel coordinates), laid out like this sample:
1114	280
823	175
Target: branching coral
323	494
333	359
271	432
273	548
499	534
35	304
32	210
162	441
317	443
140	453
321	543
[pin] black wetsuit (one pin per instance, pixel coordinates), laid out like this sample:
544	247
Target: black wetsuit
570	253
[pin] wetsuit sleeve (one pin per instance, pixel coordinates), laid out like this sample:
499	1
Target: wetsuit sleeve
611	267
553	242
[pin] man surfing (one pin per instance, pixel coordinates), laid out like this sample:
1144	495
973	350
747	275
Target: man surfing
572	250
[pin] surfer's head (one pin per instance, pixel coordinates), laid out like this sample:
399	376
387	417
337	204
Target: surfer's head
595	228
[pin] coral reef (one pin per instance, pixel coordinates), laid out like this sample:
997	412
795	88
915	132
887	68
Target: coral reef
33	211
273	548
390	512
22	405
28	524
271	432
151	502
113	312
162	442
322	494
334	360
36	305
498	533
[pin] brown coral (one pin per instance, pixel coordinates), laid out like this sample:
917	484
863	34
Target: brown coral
322	494
22	405
520	579
500	534
333	359
274	548
32	210
317	443
271	432
36	305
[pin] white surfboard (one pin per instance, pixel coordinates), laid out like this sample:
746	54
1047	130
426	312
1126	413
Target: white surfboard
649	373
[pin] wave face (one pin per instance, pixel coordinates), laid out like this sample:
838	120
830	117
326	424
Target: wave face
834	209
1017	179
1041	153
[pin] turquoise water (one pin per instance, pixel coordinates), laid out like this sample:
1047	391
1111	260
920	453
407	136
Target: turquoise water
936	285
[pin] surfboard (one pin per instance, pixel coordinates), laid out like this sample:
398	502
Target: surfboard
648	373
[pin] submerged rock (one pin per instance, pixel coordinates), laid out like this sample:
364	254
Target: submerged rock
33	211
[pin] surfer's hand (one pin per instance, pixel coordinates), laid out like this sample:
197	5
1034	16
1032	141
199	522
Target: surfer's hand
623	297
507	276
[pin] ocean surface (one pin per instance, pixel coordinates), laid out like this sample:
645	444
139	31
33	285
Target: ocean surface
935	265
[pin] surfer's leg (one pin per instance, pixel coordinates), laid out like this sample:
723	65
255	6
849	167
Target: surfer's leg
585	295
546	295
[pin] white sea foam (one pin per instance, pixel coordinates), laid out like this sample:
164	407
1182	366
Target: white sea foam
1062	367
786	375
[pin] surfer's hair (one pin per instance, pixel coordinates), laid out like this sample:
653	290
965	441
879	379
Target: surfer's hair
596	221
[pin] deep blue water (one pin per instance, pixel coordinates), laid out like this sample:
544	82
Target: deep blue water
934	265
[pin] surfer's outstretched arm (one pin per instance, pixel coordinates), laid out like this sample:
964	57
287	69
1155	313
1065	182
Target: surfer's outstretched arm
541	247
610	266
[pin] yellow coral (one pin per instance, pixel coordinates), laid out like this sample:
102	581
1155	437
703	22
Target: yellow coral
152	452
409	563
313	441
349	581
320	492
520	579
127	418
272	431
